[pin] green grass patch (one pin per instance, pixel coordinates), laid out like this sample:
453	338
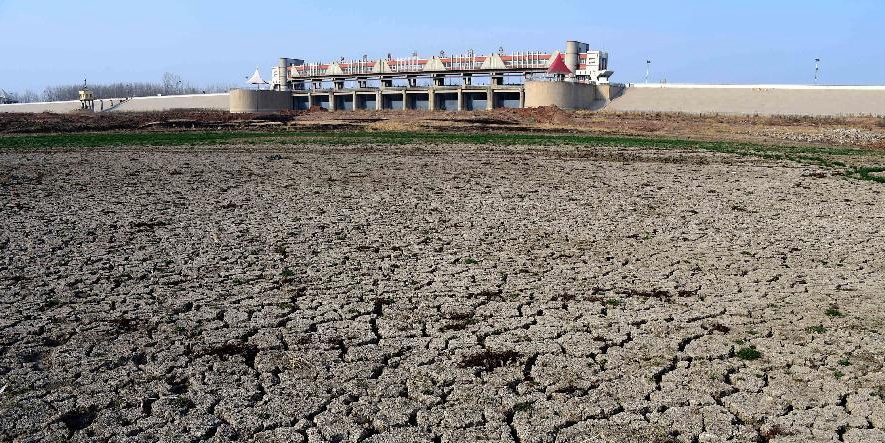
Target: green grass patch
522	406
750	353
867	173
819	329
834	312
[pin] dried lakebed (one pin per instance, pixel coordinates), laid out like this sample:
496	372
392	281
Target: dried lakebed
437	293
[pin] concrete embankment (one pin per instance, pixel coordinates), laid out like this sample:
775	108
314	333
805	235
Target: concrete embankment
692	99
753	99
159	103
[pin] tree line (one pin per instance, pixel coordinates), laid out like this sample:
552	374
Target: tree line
171	84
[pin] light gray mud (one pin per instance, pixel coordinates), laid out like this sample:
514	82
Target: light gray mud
439	294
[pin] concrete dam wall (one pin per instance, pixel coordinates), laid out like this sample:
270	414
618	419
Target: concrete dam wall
753	99
692	99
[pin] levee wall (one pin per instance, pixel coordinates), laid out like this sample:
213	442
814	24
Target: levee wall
693	99
160	103
753	99
248	100
565	95
165	103
57	107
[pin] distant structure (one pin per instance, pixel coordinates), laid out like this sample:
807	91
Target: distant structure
579	79
256	79
6	98
558	69
87	98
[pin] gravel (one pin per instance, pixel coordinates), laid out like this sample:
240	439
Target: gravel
437	293
840	136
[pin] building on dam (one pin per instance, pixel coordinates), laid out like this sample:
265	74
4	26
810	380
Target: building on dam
576	78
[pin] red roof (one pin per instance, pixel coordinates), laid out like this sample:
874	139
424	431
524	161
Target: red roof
558	66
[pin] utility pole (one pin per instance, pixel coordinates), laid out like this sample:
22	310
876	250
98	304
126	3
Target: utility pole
647	67
816	69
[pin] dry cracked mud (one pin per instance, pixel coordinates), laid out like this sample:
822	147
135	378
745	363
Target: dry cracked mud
437	293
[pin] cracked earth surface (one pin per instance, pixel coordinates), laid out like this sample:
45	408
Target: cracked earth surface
439	294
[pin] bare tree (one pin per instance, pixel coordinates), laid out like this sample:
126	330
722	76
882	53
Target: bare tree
171	83
28	96
220	87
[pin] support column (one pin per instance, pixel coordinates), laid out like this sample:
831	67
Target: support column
460	99
354	101
379	102
309	100
522	98
490	99
332	101
431	99
405	100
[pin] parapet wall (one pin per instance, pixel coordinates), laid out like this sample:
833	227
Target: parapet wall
165	103
753	99
250	100
564	95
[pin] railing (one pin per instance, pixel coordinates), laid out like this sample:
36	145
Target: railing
461	62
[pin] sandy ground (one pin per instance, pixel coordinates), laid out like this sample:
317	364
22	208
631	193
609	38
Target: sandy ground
437	293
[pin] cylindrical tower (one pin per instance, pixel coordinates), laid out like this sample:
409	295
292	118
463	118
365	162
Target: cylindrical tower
572	49
283	68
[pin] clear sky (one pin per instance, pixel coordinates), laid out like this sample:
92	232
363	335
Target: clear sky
706	41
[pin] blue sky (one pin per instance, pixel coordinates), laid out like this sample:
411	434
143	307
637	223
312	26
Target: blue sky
776	41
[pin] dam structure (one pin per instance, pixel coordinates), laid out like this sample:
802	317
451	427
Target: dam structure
438	83
573	77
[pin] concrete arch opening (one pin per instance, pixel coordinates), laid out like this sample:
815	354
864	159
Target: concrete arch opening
344	102
418	101
366	101
392	101
475	101
321	101
446	101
